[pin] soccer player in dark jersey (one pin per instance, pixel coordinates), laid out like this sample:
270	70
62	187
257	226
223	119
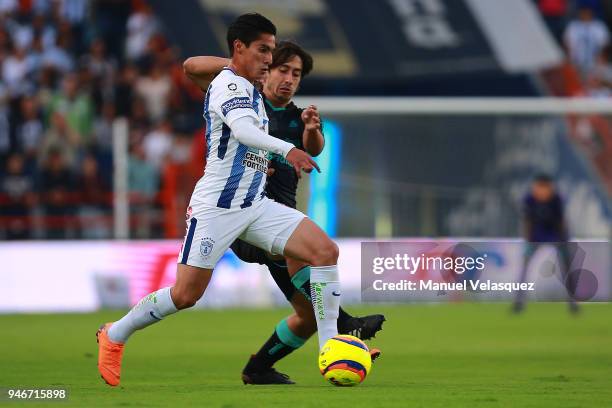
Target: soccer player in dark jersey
544	225
302	127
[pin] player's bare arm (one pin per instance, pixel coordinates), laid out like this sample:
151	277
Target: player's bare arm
202	69
312	137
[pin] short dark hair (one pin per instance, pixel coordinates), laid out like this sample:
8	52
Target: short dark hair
285	50
543	178
247	28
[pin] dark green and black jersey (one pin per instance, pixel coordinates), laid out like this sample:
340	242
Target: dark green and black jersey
285	124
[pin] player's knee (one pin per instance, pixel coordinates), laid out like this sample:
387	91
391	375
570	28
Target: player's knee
326	254
185	302
184	299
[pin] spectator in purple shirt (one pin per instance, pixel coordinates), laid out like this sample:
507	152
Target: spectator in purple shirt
545	224
543	212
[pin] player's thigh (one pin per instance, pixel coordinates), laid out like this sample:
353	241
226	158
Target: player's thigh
249	253
272	226
310	244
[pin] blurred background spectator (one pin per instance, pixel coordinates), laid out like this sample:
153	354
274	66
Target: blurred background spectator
56	189
19	198
585	38
143	182
94	200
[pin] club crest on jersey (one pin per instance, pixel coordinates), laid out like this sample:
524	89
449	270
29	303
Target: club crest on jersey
206	246
232	86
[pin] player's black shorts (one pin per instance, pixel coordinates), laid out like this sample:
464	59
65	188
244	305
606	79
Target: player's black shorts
278	269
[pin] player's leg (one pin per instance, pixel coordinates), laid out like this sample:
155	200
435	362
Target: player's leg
251	254
210	232
282	230
298	275
191	282
565	261
311	245
291	332
289	335
519	300
364	327
280	268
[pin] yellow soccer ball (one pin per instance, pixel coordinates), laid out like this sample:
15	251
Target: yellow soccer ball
345	361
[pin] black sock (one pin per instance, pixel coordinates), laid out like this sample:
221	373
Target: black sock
274	348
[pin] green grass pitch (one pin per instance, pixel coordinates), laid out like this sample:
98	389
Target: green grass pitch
451	355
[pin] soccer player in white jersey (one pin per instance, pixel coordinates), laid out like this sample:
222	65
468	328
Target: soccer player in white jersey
228	203
290	64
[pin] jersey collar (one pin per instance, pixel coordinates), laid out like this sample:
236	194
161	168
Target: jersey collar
230	70
290	106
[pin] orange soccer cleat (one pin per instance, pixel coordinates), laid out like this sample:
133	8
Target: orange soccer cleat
109	356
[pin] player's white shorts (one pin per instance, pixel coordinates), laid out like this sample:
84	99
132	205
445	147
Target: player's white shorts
211	230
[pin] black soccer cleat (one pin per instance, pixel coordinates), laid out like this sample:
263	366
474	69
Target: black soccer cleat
364	327
265	376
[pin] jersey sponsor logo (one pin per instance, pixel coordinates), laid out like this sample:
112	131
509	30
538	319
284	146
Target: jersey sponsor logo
236	103
206	247
293	124
232	86
254	160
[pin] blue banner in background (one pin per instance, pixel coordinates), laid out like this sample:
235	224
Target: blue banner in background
322	208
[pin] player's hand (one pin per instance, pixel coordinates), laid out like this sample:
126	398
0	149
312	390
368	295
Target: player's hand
270	170
300	160
311	118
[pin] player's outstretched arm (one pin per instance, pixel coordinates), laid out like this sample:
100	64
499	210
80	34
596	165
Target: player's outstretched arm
247	133
203	69
312	138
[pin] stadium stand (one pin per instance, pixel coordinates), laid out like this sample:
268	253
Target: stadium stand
70	68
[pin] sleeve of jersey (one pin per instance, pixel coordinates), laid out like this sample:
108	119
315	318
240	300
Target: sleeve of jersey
232	100
246	132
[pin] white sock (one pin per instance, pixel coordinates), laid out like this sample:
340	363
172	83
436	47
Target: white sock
325	295
151	309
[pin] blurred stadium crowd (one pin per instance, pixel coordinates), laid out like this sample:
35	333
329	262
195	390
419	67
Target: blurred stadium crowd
71	67
582	28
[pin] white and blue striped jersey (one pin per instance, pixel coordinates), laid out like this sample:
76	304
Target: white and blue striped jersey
235	175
